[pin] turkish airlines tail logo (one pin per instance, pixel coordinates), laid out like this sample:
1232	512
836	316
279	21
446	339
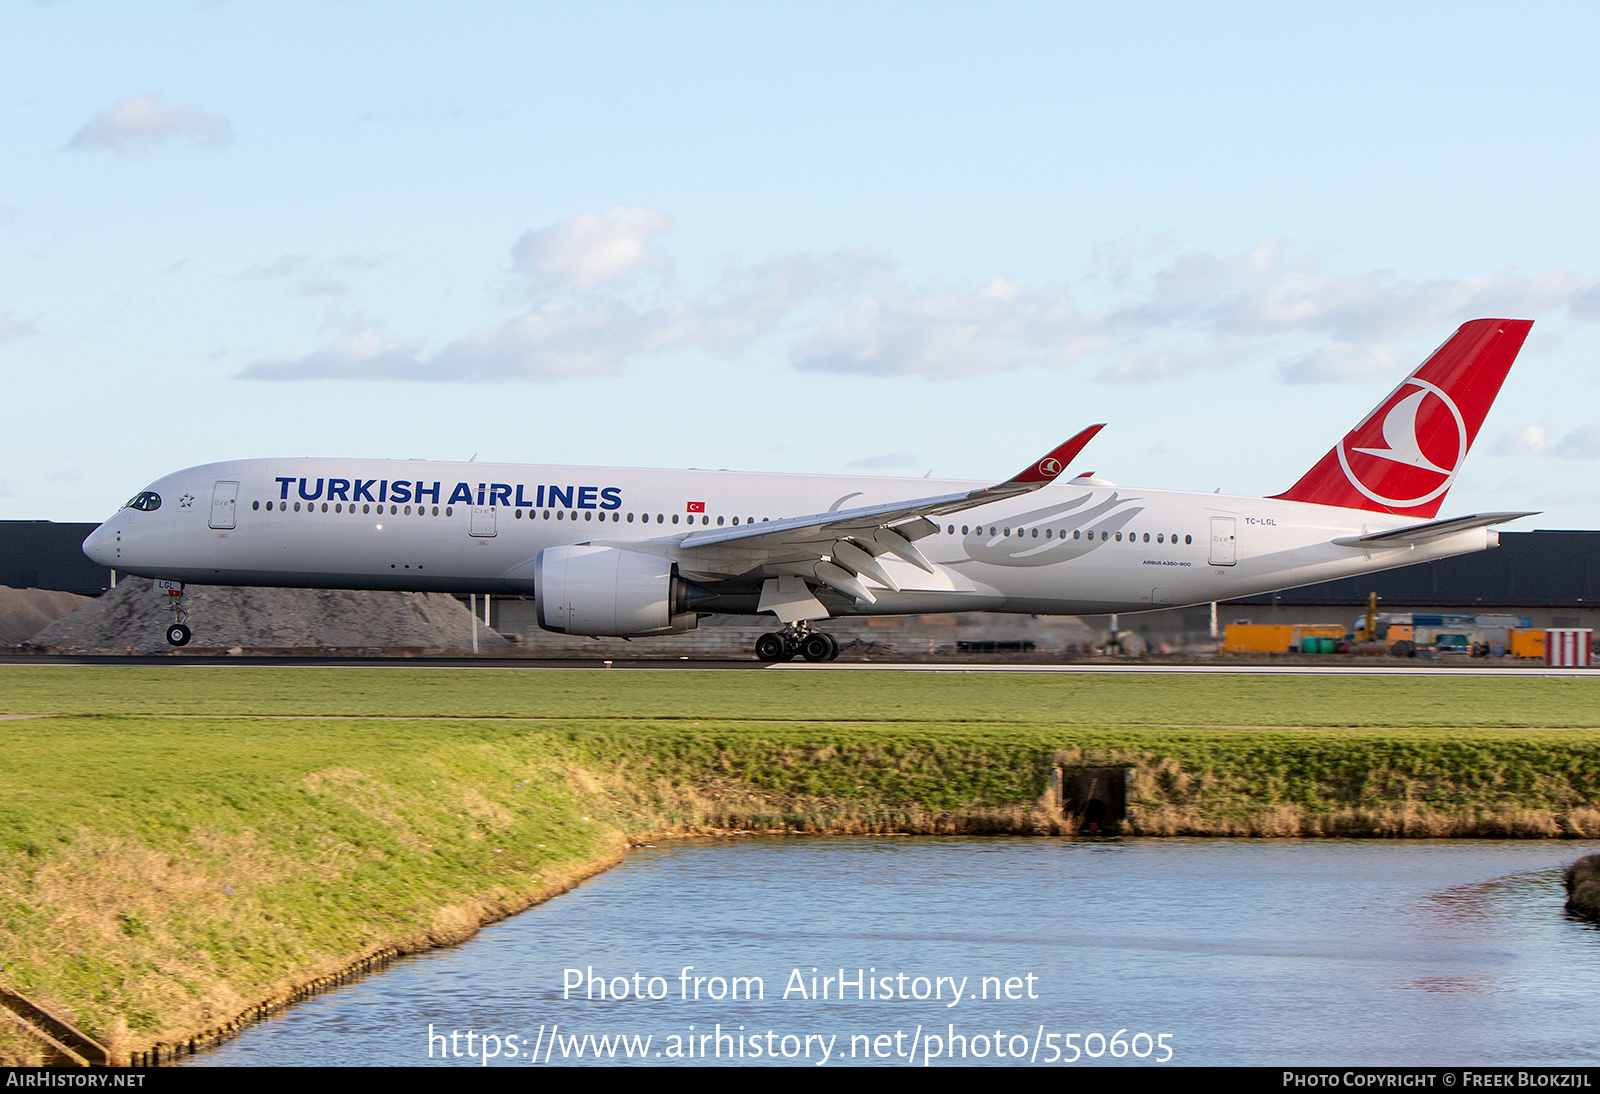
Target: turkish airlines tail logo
1400	433
1402	457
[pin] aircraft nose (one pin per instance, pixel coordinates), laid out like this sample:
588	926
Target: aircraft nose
100	546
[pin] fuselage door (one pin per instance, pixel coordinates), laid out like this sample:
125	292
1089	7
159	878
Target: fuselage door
1224	541
224	500
482	521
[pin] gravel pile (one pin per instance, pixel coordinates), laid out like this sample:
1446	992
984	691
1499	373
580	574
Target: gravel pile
24	612
133	617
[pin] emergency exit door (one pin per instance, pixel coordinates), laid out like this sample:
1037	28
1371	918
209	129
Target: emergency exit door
224	500
1224	541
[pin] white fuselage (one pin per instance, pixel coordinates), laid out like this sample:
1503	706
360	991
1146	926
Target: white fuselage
1069	548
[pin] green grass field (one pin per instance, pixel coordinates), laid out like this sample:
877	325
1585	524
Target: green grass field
177	843
954	697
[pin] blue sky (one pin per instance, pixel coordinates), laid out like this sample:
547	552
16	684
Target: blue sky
844	238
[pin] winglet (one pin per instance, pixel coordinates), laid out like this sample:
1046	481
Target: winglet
1053	463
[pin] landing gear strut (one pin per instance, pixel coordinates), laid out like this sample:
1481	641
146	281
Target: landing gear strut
178	634
797	638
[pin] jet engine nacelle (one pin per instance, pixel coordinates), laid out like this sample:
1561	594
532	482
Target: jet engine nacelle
609	591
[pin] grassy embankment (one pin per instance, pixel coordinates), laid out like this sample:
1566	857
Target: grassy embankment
177	844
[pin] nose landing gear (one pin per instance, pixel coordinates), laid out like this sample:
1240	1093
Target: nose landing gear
797	638
178	633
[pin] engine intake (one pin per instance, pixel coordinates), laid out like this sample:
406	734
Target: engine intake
611	592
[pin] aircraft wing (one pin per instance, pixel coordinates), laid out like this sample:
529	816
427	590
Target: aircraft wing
1414	534
836	548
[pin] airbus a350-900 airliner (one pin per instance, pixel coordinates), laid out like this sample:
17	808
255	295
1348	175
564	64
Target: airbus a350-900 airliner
629	553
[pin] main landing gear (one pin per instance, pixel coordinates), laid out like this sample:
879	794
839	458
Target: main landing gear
797	638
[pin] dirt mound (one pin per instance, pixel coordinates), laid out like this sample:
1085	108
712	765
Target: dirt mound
24	612
132	616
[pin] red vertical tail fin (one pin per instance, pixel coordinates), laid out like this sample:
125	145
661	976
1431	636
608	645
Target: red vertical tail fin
1404	455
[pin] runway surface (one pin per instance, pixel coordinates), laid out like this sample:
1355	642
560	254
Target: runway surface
526	664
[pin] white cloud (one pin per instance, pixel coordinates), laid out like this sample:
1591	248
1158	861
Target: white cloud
144	121
1150	364
308	277
556	343
851	313
1583	443
890	330
1344	362
888	459
11	329
363	356
592	247
1527	440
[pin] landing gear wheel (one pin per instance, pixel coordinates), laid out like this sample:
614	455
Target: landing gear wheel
817	646
833	647
772	647
178	635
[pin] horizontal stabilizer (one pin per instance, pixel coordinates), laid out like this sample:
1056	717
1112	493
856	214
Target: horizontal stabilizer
1415	534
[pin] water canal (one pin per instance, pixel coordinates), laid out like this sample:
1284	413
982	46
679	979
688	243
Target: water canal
1284	952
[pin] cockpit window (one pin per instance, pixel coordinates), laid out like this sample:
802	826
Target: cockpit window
148	501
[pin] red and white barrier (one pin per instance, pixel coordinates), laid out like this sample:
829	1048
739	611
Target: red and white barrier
1569	647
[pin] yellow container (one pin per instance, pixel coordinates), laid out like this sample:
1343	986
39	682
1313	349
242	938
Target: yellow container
1334	631
1258	638
1527	642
